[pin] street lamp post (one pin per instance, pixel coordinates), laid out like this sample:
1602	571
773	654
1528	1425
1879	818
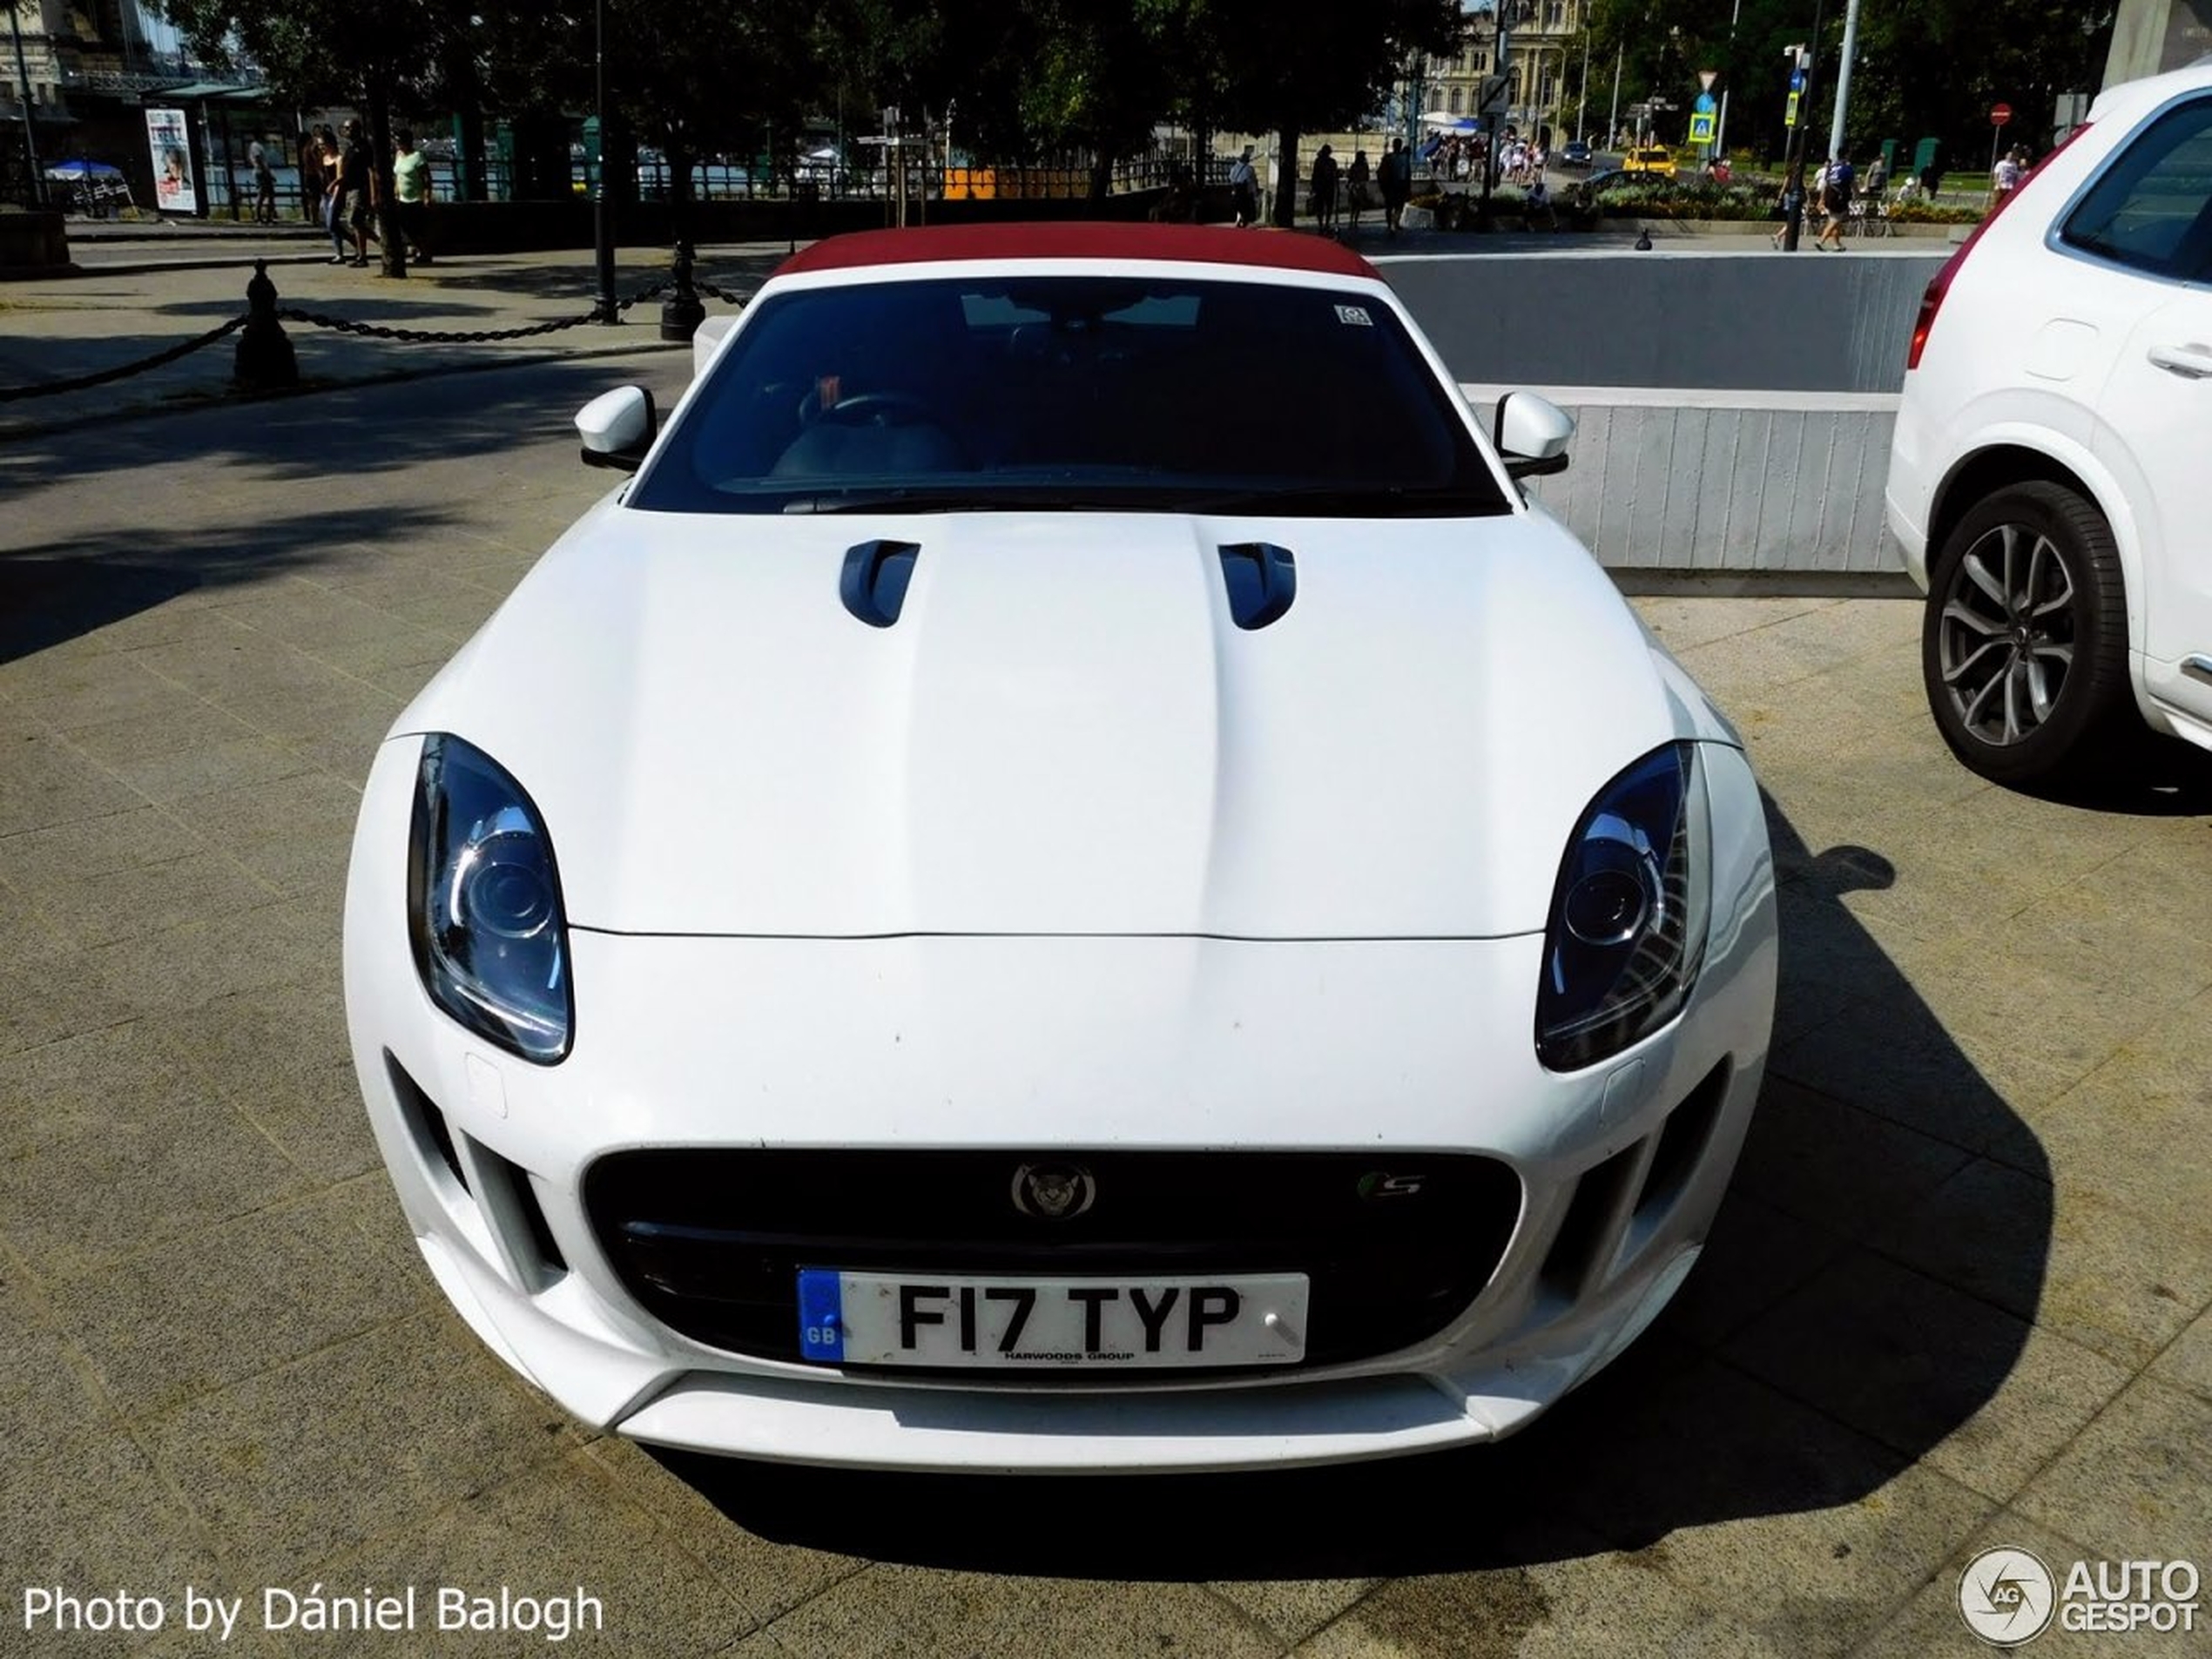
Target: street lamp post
1793	165
1720	136
1843	80
1612	118
603	230
1582	100
1503	15
29	142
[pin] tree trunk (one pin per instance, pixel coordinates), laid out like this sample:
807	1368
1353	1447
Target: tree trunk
1286	179
391	241
467	127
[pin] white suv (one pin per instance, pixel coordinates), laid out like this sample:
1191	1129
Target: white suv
2051	477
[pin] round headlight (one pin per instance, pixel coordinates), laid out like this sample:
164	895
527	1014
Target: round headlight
499	882
1617	888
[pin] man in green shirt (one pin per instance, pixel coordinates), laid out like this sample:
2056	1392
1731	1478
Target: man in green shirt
411	190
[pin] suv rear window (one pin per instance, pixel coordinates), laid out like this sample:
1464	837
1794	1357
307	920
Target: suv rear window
2151	208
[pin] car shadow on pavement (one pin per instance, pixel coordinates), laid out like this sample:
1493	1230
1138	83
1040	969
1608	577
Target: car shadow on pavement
2155	777
1867	1289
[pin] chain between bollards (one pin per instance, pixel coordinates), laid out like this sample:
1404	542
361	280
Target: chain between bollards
266	362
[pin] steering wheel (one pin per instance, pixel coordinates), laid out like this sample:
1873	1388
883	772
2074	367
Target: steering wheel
881	409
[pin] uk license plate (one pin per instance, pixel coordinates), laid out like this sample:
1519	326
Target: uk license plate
990	1322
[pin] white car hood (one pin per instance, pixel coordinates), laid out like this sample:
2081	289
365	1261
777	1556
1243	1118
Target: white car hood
1064	732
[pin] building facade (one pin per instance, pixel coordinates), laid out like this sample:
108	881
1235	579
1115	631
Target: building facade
1546	67
86	66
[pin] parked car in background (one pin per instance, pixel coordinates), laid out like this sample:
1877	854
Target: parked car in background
994	908
2048	478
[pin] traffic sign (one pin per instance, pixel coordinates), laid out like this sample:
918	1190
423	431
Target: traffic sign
1797	80
1700	127
1704	103
1789	110
1999	113
1706	77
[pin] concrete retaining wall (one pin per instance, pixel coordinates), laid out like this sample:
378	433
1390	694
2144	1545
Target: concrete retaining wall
1733	409
1724	482
1673	317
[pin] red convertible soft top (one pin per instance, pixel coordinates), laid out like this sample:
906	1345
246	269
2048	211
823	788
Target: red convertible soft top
1081	240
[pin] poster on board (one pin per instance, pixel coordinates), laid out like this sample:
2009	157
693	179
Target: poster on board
173	191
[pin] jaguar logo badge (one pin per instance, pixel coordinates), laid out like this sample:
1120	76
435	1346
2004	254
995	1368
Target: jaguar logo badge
1053	1191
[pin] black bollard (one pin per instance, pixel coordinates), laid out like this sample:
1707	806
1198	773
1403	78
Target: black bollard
681	312
265	362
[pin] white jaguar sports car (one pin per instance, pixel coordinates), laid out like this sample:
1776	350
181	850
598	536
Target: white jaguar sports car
1069	876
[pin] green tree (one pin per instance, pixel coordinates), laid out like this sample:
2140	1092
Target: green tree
1244	66
1925	68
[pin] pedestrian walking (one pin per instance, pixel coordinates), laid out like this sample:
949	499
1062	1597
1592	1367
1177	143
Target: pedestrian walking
411	191
1355	191
1397	182
1244	190
1836	187
257	156
1324	191
312	205
1789	202
357	193
331	168
2005	177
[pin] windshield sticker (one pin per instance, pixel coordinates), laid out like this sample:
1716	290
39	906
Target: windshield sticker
1356	315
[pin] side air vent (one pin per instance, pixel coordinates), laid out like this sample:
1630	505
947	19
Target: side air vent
433	1135
1263	581
873	585
1591	1231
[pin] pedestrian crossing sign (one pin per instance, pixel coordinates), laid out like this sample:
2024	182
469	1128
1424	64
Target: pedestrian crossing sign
1790	112
1700	127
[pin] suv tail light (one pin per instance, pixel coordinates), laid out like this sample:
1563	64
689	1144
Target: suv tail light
1939	284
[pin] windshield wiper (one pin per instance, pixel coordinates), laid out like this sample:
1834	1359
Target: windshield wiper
908	501
1335	501
1346	501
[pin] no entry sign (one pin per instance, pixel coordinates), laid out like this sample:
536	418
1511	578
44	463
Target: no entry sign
1999	113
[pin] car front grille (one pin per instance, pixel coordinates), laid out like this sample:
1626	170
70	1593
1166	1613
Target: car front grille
710	1241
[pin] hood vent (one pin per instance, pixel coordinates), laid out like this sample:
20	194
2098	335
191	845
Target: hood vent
1263	581
873	583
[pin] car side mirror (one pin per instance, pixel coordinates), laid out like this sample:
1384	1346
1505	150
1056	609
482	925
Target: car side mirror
1531	434
616	427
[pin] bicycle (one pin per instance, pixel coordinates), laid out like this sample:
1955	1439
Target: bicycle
1868	215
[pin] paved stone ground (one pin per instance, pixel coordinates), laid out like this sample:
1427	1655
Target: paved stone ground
1959	1297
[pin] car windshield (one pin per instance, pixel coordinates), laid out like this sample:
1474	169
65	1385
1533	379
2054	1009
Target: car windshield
1138	393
